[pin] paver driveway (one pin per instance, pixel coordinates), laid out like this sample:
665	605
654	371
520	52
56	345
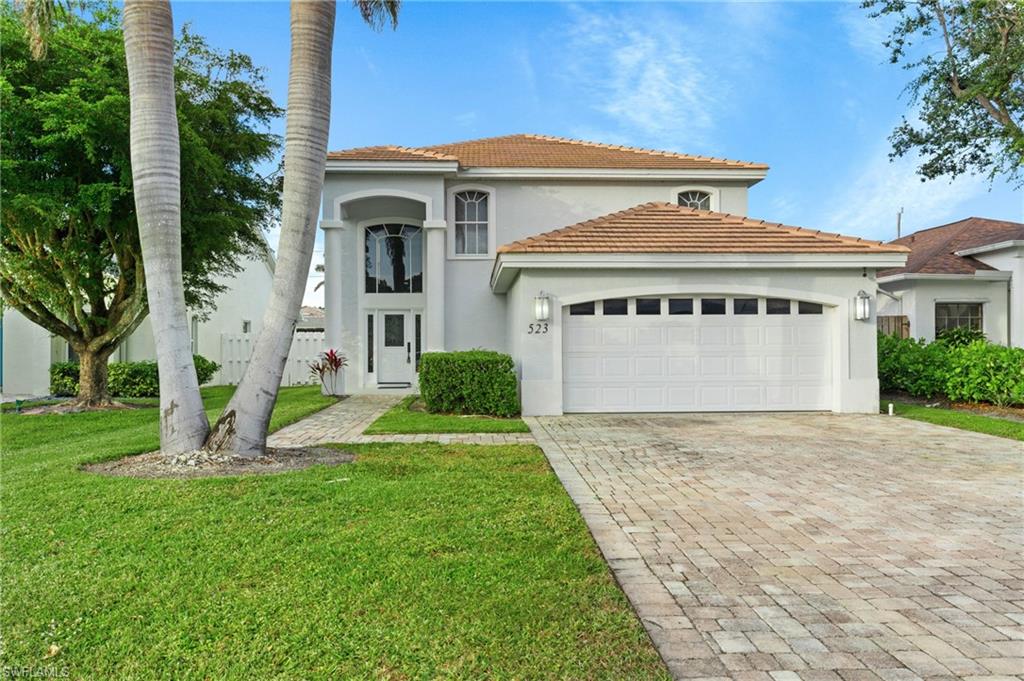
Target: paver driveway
806	546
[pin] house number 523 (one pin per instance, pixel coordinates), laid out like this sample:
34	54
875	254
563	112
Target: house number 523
534	329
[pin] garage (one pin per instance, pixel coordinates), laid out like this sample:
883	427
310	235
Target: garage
697	353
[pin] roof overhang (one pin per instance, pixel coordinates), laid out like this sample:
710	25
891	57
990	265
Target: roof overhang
508	265
980	275
748	175
400	167
988	248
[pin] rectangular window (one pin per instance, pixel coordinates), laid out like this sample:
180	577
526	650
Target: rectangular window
246	326
582	308
744	305
954	315
680	305
471	223
418	325
615	306
712	305
394	330
195	335
778	306
648	305
809	308
369	343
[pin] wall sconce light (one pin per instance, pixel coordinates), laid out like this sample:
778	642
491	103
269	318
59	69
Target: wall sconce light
863	309
542	307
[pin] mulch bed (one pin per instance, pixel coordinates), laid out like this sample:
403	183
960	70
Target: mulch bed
70	407
1006	413
203	464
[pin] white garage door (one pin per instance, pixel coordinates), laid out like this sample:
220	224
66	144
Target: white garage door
700	353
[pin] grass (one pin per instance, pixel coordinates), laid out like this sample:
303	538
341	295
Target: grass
416	561
402	419
955	418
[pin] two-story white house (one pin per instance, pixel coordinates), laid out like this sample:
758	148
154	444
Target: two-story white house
619	279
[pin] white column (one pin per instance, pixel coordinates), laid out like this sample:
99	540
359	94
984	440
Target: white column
434	308
332	283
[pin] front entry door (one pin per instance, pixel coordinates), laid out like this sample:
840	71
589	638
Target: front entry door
396	365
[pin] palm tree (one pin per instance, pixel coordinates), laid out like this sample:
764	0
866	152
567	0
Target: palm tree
242	428
156	177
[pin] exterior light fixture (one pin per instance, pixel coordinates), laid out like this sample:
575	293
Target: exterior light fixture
863	308
542	307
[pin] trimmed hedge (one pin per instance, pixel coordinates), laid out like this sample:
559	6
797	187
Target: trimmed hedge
124	379
469	382
975	371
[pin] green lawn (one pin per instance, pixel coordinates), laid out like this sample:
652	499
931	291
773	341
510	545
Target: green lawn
402	419
416	561
959	419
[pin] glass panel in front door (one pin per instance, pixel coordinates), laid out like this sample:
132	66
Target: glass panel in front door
394	330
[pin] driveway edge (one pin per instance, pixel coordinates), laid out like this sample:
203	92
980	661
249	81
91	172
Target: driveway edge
658	611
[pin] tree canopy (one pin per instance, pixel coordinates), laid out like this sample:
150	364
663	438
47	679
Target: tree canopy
69	249
967	57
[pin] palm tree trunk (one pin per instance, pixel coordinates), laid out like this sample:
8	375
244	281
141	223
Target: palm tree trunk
242	429
156	174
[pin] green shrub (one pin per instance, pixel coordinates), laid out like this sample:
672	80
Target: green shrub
913	366
960	336
124	379
469	382
64	379
983	372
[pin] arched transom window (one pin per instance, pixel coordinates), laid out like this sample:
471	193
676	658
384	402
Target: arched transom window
694	198
394	259
471	223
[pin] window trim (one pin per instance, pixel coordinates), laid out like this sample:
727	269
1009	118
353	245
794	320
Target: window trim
361	250
715	192
491	222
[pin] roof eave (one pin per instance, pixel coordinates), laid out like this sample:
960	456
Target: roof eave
988	248
748	175
392	166
507	265
980	275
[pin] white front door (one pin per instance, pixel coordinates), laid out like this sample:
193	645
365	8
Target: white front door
697	353
396	359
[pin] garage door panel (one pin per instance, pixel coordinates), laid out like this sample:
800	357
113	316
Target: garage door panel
696	362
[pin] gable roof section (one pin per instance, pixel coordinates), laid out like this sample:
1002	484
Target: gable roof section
668	228
934	250
542	151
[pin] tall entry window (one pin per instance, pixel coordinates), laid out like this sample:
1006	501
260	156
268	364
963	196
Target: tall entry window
394	259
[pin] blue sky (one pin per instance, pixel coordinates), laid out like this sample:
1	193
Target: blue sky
802	86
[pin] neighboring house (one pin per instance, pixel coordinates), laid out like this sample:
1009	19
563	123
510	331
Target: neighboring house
619	279
28	349
967	273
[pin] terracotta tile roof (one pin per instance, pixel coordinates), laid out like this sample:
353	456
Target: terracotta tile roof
668	228
933	251
542	151
387	153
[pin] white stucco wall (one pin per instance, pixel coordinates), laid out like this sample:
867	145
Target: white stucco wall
919	296
474	317
26	357
1011	260
539	357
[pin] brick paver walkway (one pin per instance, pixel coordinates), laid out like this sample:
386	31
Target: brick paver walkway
783	547
346	421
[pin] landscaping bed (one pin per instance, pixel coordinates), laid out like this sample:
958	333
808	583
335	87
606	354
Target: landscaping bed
413	561
410	416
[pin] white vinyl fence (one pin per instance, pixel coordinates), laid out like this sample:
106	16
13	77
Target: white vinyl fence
235	349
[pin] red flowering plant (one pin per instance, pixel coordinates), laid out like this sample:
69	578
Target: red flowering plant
326	370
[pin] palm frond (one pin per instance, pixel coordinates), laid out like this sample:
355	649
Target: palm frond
378	12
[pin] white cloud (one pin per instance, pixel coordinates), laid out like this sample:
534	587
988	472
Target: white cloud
865	34
650	84
868	204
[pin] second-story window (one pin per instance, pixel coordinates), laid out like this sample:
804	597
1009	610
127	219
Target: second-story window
471	223
694	198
